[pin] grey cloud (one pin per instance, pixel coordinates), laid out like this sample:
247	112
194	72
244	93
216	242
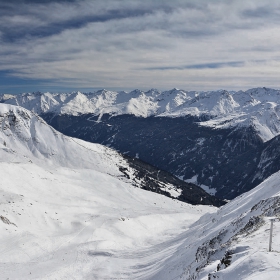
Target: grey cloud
28	19
262	12
11	35
38	24
258	12
211	65
215	65
117	40
198	18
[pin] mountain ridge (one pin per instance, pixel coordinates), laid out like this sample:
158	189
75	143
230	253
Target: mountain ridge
70	208
26	137
258	107
217	140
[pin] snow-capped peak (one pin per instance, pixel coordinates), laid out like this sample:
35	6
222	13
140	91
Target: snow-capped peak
258	106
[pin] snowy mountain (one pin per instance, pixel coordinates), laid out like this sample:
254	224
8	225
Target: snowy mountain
66	202
25	137
218	140
76	210
233	242
257	108
226	162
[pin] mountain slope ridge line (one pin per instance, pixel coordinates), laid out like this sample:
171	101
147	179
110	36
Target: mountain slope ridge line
220	138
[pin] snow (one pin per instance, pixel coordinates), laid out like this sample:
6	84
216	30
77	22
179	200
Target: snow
258	108
211	191
239	229
80	224
67	212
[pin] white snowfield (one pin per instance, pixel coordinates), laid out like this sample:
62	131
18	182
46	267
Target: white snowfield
66	212
232	243
258	108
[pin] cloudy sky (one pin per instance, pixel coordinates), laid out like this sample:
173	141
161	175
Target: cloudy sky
126	44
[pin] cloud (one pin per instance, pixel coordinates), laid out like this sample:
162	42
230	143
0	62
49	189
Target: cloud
31	19
267	10
116	43
212	65
31	23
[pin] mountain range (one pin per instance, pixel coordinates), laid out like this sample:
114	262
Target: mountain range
77	210
225	142
27	138
71	209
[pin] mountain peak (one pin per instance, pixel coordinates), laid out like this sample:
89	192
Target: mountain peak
217	105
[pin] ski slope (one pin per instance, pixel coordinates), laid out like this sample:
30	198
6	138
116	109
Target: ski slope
67	212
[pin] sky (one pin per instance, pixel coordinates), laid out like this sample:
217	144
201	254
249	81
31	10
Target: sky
57	46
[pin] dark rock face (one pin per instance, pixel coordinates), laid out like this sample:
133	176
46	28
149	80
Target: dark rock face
153	180
269	161
232	161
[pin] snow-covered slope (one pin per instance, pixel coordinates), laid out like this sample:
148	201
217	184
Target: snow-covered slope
25	137
232	243
68	212
258	108
223	133
83	224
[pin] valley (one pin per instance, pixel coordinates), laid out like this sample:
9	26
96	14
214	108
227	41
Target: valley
73	209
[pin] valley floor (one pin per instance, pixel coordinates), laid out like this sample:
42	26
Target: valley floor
62	223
